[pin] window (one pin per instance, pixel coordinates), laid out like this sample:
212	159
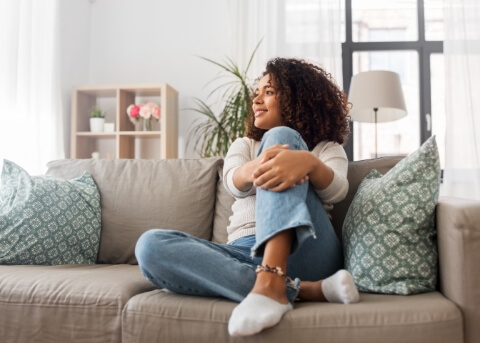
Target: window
404	36
397	16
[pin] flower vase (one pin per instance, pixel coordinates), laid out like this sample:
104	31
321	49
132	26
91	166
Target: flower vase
147	125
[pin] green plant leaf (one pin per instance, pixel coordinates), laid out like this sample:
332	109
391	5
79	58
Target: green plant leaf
213	134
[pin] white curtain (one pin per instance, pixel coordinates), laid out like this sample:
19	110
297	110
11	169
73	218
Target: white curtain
30	98
462	83
308	29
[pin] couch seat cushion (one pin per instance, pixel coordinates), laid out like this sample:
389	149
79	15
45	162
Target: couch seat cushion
161	316
67	303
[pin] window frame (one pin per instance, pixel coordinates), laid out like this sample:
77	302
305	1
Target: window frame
424	49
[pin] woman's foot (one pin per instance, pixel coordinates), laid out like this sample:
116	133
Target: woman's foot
264	306
255	313
267	302
338	288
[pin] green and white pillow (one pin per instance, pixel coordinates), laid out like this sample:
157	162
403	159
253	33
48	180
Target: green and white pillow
48	221
389	231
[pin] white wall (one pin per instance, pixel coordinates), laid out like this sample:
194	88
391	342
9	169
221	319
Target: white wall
146	41
74	56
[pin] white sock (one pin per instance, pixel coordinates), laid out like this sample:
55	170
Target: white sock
340	288
255	313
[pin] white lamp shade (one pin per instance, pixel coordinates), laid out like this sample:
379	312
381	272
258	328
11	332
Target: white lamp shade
376	89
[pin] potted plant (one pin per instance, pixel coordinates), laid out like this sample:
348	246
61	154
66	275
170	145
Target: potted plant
97	119
213	136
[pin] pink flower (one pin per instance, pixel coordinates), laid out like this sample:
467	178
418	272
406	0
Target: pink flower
133	111
156	112
149	110
145	111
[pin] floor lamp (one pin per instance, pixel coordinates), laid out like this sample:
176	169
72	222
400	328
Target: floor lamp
376	97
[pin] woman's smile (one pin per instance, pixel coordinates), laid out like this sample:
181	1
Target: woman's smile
258	112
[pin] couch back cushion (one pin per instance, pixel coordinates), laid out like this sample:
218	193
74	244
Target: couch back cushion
138	195
357	171
223	211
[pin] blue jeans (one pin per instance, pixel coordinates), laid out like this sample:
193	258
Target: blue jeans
185	264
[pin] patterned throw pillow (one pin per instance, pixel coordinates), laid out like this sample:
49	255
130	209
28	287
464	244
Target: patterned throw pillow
389	232
49	221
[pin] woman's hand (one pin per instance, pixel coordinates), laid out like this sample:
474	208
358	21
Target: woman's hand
243	177
277	168
281	168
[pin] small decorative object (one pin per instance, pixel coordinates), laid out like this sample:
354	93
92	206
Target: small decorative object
109	127
97	120
146	112
95	155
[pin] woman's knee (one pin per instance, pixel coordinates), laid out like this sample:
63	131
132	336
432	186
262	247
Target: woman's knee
283	135
280	132
151	245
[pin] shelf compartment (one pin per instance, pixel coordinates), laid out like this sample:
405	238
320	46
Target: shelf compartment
87	144
128	139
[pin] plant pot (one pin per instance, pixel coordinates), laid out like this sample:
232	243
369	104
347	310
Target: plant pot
96	124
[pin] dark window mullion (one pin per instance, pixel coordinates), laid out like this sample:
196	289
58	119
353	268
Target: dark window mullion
421	20
377	46
425	95
428	47
348	21
347	64
347	70
424	74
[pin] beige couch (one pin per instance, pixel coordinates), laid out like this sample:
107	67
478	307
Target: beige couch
112	302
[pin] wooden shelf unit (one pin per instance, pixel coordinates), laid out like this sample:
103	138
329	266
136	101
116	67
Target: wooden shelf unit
126	136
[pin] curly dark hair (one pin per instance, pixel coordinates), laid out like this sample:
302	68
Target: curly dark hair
310	102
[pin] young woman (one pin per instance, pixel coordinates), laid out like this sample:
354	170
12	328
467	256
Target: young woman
285	175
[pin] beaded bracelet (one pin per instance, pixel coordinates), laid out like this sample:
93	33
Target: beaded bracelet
267	268
275	270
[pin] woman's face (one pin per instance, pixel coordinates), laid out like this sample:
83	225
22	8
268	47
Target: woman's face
266	106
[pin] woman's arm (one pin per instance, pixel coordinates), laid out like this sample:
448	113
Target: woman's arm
326	167
239	165
239	153
243	178
282	169
321	175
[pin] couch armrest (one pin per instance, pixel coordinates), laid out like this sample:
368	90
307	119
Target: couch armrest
458	229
